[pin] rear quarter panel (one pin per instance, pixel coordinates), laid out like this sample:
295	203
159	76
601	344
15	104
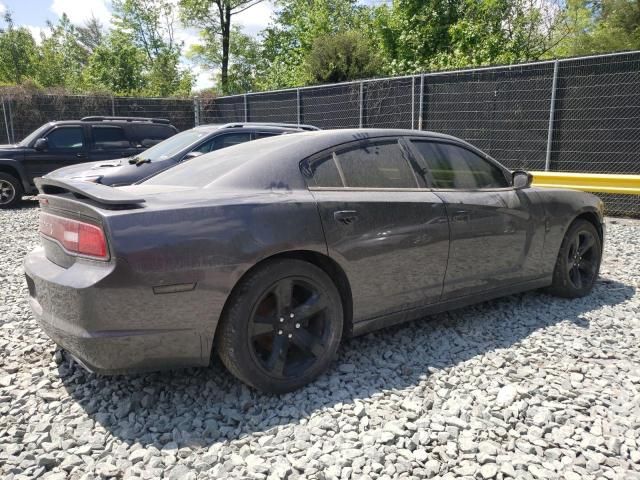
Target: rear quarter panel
210	246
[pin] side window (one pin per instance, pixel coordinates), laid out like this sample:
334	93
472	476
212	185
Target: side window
65	138
228	140
109	138
377	165
326	173
148	135
259	135
451	166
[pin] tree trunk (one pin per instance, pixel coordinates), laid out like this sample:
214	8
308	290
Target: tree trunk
226	31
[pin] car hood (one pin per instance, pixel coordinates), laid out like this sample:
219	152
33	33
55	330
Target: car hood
9	149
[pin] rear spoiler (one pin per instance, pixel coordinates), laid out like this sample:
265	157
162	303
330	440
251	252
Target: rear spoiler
102	194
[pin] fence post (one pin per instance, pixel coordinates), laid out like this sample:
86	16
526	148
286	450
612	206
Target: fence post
421	100
113	107
196	110
552	111
361	104
6	123
246	109
413	102
299	109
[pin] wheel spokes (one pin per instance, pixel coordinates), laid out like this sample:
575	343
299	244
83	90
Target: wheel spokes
308	343
261	325
283	292
278	356
312	306
586	244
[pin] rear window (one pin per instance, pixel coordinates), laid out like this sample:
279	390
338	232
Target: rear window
207	168
150	134
109	138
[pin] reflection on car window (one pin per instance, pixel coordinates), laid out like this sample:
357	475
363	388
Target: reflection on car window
65	138
376	165
109	138
228	140
173	145
455	167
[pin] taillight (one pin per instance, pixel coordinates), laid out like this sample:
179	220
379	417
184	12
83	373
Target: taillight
76	237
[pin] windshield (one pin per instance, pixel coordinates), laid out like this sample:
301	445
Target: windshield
33	135
172	145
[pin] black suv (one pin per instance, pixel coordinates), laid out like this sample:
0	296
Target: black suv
179	148
62	143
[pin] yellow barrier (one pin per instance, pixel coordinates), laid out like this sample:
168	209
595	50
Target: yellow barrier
589	182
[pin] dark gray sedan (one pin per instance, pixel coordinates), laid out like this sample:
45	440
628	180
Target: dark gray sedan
270	252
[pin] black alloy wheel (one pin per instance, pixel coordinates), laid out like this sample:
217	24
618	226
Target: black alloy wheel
578	261
282	327
289	327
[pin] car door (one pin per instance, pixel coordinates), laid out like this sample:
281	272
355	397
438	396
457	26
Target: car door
390	236
109	142
495	241
66	145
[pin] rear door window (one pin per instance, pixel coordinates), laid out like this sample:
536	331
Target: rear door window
109	138
66	138
148	135
373	165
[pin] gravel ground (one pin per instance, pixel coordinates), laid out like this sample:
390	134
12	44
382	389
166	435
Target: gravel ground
528	386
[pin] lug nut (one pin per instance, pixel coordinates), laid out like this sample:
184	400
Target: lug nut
281	320
279	332
291	315
297	325
290	335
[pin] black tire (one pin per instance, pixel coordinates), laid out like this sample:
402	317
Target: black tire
282	326
10	190
578	261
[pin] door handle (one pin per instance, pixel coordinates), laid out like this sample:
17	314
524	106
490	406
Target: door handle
346	217
81	155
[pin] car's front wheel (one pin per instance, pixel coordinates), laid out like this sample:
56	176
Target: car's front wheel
282	326
578	261
10	190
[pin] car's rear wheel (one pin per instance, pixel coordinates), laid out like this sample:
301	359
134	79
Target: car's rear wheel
578	261
10	190
282	326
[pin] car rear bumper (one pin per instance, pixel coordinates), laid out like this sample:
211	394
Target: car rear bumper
85	317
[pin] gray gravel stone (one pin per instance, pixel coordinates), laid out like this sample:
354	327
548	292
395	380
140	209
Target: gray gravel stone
528	386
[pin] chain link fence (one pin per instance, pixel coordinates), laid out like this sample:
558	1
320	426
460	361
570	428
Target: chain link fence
571	115
21	113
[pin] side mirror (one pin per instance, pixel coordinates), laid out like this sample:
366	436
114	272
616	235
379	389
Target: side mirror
41	144
521	179
191	155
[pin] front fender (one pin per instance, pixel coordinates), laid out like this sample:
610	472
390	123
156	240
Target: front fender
19	170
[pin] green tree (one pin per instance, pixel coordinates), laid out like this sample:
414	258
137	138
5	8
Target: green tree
62	58
151	26
17	53
601	26
117	66
341	57
244	58
213	18
288	41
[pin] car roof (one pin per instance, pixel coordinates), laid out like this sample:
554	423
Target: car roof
273	161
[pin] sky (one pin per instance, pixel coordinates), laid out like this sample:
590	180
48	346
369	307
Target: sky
34	14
